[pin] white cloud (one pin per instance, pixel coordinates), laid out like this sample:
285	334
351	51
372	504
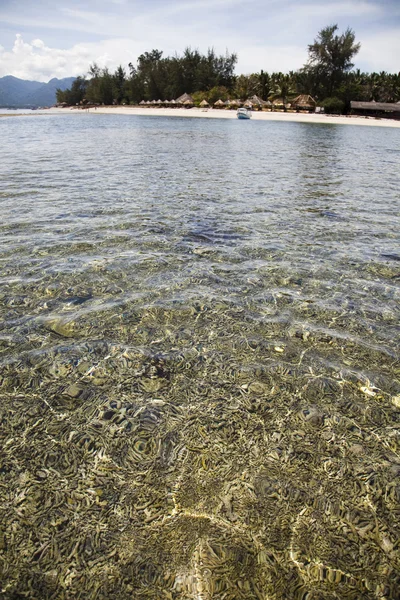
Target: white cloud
38	44
37	61
266	34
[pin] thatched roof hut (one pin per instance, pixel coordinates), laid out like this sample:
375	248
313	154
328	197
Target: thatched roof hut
236	102
184	98
256	100
376	108
304	102
219	103
173	102
188	103
204	104
142	103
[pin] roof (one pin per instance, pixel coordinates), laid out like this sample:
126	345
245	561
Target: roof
257	100
204	103
219	103
388	106
184	98
304	100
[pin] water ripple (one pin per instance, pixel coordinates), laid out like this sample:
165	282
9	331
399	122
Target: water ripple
198	359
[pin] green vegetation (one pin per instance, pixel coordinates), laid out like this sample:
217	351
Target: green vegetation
327	76
330	59
333	105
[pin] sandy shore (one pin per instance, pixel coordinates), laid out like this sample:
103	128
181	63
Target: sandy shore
231	114
217	114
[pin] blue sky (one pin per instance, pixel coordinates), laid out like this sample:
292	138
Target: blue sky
41	39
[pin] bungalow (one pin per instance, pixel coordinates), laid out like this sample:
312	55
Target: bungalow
388	110
304	102
185	99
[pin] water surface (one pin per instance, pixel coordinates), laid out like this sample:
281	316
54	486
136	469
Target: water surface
199	359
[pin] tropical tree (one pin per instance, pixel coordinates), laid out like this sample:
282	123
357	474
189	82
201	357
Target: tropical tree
246	86
283	87
265	85
119	84
218	92
330	57
93	93
75	94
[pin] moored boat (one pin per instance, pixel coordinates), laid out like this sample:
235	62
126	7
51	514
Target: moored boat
243	113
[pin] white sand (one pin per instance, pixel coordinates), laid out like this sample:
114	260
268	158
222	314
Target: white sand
231	114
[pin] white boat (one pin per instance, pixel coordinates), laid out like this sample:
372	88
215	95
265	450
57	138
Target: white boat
243	113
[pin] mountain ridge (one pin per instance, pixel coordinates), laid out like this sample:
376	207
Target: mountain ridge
25	93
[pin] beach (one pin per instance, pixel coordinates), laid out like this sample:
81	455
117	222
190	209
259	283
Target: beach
231	114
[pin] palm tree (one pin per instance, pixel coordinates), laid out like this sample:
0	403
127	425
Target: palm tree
284	87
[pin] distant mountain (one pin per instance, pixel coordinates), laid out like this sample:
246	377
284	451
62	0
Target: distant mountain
21	93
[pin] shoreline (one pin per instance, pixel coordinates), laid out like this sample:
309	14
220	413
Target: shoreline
213	113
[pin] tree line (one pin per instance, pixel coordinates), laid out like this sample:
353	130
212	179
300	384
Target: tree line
328	76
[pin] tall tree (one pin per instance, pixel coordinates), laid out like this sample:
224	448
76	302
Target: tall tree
119	84
330	57
265	85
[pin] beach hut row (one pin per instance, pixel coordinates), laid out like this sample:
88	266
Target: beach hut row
184	100
302	102
253	102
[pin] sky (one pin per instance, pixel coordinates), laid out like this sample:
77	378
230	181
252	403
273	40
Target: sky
42	39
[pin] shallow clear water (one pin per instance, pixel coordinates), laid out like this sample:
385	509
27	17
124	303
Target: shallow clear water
199	359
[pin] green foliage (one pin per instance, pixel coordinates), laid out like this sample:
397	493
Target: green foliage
75	94
119	85
284	87
327	74
247	85
199	97
216	93
155	77
265	85
166	78
333	106
330	57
